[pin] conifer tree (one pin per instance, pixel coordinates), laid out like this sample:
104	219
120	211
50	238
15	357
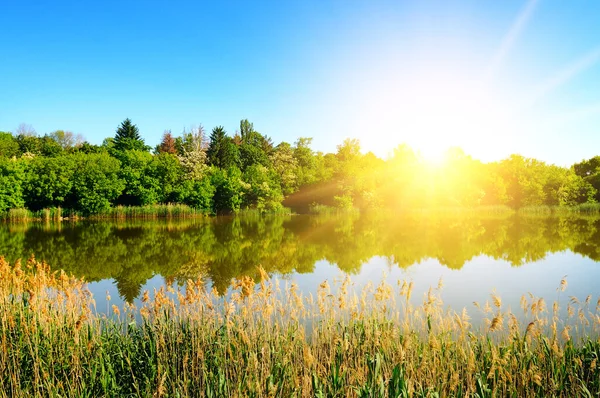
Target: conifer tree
128	137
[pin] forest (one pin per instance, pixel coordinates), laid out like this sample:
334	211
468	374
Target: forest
219	173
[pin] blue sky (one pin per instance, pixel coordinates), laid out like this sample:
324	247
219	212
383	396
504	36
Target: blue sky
494	77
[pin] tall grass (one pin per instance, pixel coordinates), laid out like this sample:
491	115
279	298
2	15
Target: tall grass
25	215
585	209
268	340
118	212
150	212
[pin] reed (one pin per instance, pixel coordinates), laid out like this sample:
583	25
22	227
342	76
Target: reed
265	339
150	212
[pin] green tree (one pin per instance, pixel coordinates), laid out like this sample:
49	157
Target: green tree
96	183
228	190
586	168
286	167
86	147
9	146
29	144
222	152
12	179
168	171
128	137
198	193
141	185
262	189
589	170
525	180
49	147
66	139
49	181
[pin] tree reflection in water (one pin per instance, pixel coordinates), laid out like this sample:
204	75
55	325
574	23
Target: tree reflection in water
223	248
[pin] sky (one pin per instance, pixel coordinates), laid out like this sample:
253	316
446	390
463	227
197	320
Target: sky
492	77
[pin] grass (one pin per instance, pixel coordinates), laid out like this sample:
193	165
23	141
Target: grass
585	209
150	212
124	212
268	340
118	212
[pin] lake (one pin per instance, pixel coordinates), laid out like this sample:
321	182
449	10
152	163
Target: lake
472	254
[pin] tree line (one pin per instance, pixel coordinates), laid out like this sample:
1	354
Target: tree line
222	173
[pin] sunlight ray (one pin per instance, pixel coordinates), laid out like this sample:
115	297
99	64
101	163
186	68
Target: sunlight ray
510	38
575	114
561	78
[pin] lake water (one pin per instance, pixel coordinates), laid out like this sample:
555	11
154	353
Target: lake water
473	255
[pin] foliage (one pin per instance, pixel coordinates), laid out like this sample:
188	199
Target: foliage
222	152
127	137
141	185
228	186
167	144
247	171
12	177
262	190
95	184
48	182
9	146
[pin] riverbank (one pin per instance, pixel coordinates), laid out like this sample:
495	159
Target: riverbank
268	340
500	210
182	211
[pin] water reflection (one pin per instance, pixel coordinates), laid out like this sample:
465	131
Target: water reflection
220	249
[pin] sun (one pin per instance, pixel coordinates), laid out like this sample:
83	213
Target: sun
447	104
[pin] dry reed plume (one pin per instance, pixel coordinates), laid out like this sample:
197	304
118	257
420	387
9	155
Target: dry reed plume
267	340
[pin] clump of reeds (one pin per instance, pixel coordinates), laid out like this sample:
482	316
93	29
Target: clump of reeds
18	215
150	212
584	209
267	340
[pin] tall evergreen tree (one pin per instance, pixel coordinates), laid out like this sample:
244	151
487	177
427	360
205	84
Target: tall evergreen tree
222	151
215	146
128	137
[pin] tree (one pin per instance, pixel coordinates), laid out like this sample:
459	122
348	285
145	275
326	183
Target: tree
286	166
215	146
66	139
222	151
524	179
168	171
246	130
262	189
96	183
193	153
128	137
305	160
12	178
86	147
29	144
49	147
167	144
49	181
198	193
9	146
228	190
26	130
586	168
141	185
